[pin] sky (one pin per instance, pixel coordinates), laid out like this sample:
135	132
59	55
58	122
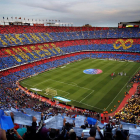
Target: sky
101	13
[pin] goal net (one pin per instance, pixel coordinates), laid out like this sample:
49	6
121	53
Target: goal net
51	92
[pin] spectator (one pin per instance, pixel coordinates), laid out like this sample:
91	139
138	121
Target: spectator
92	133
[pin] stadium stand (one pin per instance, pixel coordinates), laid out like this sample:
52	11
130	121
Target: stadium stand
29	50
18	55
130	112
22	35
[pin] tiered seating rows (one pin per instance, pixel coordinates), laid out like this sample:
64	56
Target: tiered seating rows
35	29
32	35
17	73
13	56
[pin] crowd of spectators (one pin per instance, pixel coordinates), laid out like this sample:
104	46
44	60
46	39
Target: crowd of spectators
23	35
39	130
131	111
60	41
9	58
136	78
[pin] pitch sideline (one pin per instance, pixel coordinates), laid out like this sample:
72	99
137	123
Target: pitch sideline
121	89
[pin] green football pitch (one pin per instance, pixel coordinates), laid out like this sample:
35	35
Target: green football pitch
96	92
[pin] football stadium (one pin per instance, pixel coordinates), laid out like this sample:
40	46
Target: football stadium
60	82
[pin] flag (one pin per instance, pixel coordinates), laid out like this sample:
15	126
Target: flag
3	17
19	18
101	125
22	119
79	121
91	121
5	121
15	17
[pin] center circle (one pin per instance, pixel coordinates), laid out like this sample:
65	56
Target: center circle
92	71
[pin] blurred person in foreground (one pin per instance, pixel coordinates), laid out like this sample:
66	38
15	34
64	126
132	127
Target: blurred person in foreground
92	133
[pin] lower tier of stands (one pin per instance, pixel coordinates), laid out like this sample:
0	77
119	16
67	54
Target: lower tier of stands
40	66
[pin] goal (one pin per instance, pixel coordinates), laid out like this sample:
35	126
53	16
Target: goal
51	92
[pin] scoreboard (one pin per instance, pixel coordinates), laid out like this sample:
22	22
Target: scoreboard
128	25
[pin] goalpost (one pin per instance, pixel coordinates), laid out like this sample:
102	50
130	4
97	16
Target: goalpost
51	92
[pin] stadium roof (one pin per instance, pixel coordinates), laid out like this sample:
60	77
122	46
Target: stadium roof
132	22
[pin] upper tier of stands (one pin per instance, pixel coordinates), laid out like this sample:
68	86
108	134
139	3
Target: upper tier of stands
22	35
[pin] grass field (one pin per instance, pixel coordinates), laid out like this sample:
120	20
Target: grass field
95	92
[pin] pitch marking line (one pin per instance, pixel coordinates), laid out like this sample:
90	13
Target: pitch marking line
121	90
63	83
86	97
66	95
75	100
69	98
70	84
59	89
41	82
84	104
74	83
35	84
27	84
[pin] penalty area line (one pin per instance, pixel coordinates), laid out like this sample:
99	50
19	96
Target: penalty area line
70	84
68	98
84	104
75	100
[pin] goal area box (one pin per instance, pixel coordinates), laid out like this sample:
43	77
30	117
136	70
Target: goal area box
51	92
